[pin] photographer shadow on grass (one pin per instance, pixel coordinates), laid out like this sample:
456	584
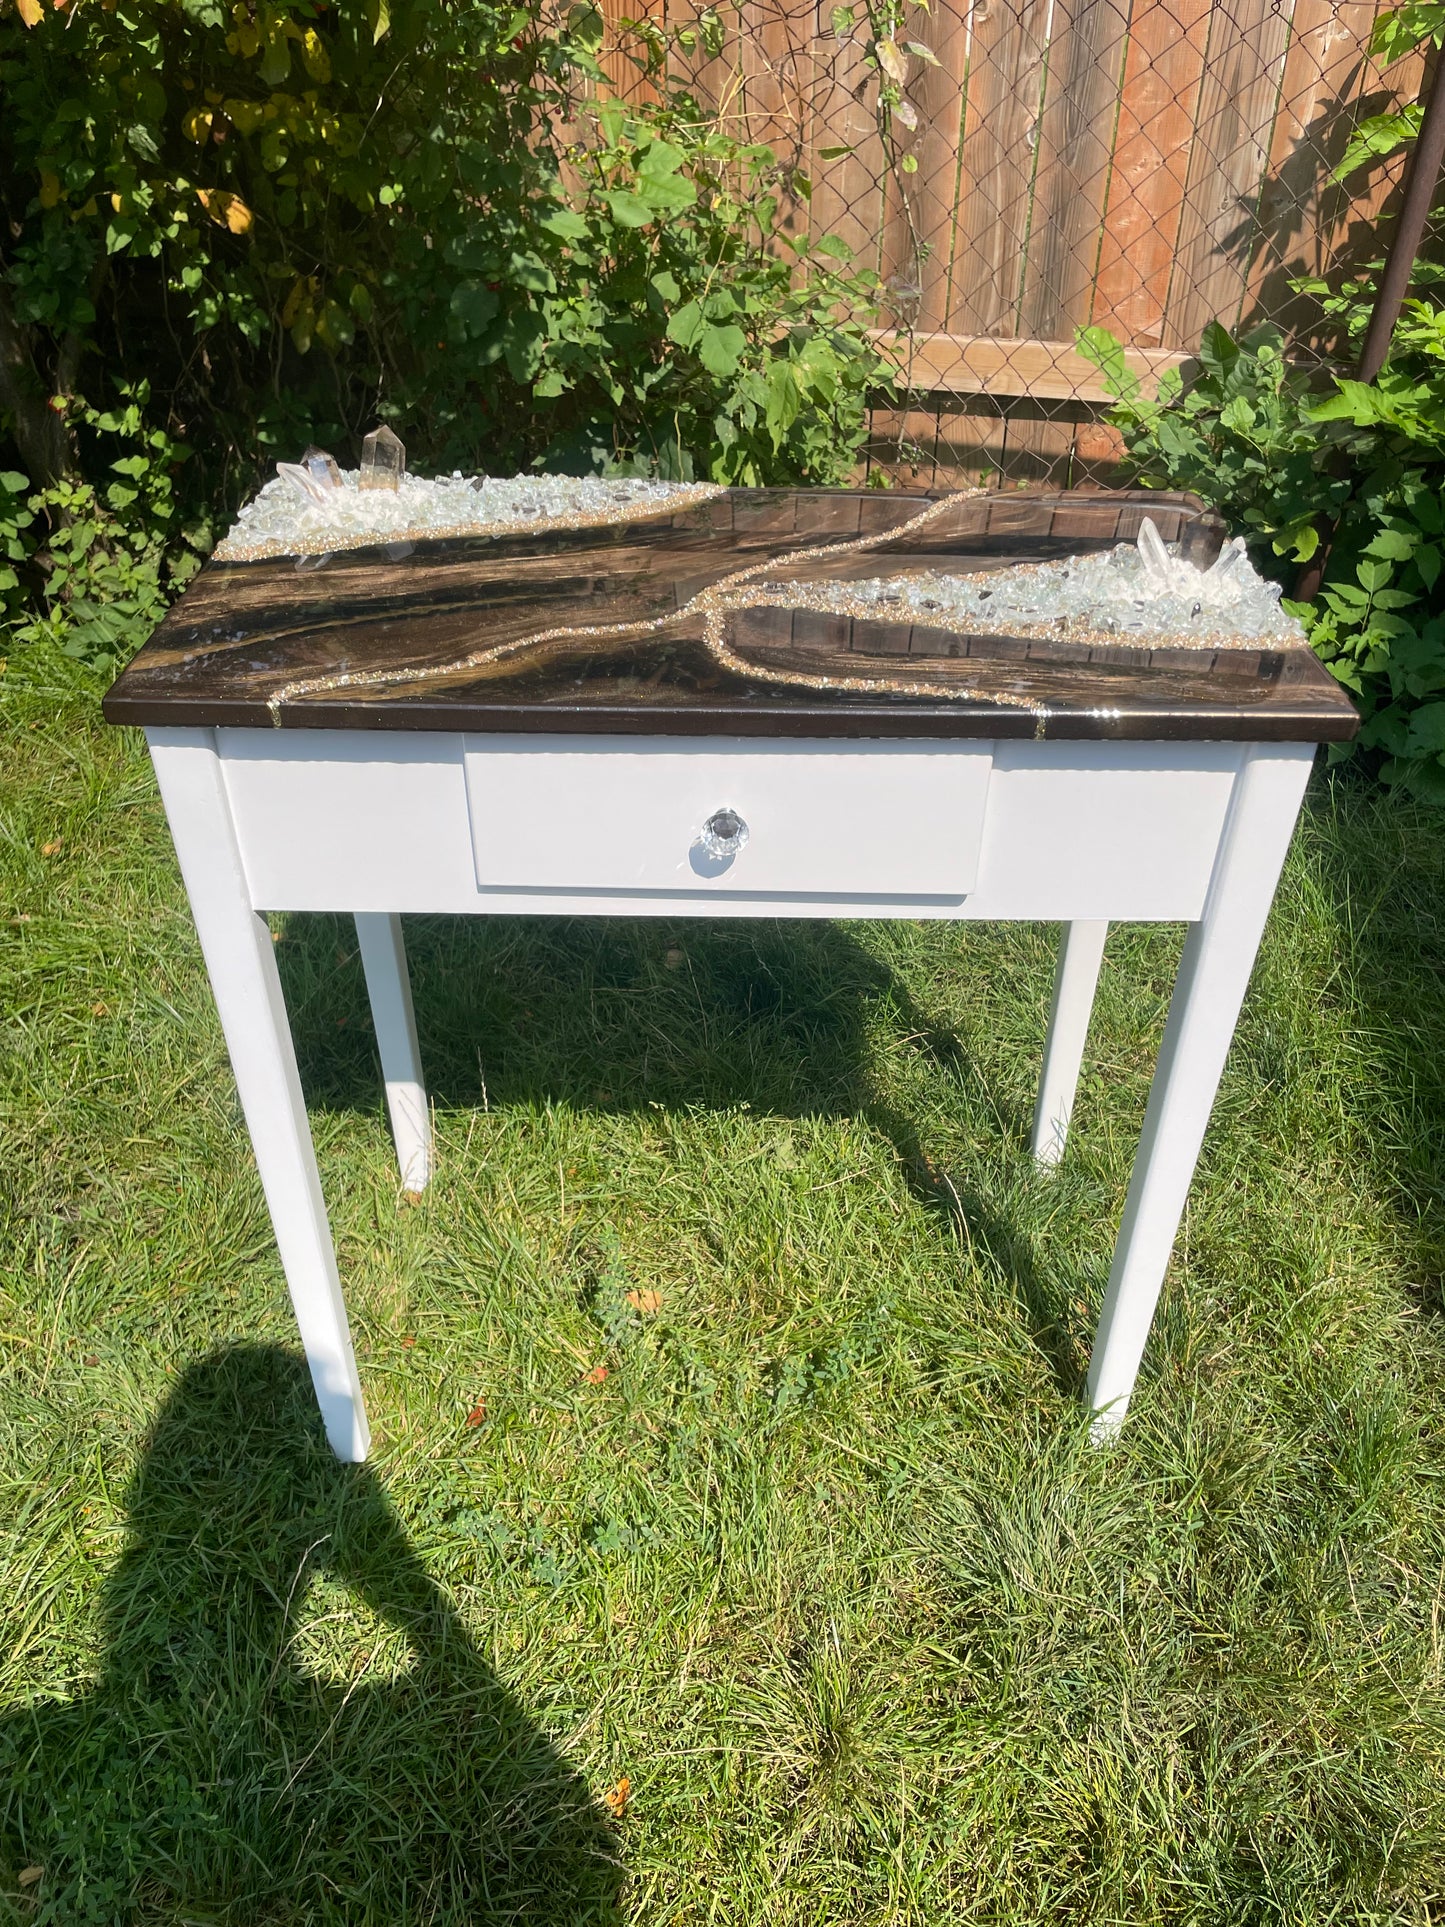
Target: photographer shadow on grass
216	1772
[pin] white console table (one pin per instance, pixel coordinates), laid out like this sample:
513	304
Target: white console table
581	790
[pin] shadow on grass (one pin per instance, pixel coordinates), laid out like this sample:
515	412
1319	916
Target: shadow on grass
1382	859
215	1773
623	1014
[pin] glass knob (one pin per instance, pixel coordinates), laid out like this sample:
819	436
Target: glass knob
724	833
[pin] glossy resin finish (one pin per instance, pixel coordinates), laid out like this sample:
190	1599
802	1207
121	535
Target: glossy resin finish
244	635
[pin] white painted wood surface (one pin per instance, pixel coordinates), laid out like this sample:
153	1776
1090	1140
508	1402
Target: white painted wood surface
831	819
241	959
383	958
1077	978
349	820
1214	974
378	824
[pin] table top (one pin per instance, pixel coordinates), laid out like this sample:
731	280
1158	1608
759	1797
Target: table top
624	629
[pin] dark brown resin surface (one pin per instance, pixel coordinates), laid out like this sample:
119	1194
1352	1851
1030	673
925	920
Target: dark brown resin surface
244	632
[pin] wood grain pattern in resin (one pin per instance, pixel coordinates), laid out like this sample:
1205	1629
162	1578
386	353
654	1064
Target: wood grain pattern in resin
244	634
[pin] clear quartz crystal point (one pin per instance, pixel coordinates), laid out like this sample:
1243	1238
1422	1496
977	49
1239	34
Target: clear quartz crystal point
1159	566
383	460
321	467
300	476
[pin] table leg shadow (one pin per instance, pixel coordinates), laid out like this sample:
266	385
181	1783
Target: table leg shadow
619	1015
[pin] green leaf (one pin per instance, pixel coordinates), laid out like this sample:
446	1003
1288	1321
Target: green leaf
686	325
1218	350
628	210
1299	542
1393	545
472	307
721	349
1378	136
1106	352
666	286
1373	575
566	224
12	481
665	193
1427	730
661	158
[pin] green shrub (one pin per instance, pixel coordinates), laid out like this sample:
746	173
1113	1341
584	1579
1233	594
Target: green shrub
1285	464
294	219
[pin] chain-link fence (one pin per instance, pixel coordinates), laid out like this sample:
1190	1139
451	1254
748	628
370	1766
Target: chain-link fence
1016	170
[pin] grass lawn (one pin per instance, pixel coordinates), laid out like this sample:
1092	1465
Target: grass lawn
728	1445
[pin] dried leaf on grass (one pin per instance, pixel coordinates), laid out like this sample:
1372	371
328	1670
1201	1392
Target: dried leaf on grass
615	1798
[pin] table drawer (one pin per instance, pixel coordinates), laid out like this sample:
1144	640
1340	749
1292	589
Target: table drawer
715	815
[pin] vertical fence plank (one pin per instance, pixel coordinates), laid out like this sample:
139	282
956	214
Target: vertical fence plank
919	240
1238	98
848	197
624	78
1076	138
1325	71
1157	110
1006	64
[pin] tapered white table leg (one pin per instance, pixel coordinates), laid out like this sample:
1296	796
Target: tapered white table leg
239	955
1080	956
1214	973
383	958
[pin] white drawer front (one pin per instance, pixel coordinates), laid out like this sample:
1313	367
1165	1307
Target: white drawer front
865	819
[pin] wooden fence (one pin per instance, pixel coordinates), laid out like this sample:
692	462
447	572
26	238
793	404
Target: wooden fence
1147	165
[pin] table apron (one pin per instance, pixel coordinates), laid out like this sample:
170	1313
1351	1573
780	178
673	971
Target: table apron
357	820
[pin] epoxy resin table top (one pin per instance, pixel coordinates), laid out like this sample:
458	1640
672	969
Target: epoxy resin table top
611	631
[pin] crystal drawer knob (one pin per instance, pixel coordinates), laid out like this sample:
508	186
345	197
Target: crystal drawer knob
724	833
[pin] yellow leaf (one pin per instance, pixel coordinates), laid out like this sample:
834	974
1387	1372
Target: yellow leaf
226	210
892	60
32	13
49	188
644	1301
380	20
115	203
302	289
245	115
314	55
615	1798
28	1876
196	125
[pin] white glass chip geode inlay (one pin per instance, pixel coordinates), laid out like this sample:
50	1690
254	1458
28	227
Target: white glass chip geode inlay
284	519
1142	592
